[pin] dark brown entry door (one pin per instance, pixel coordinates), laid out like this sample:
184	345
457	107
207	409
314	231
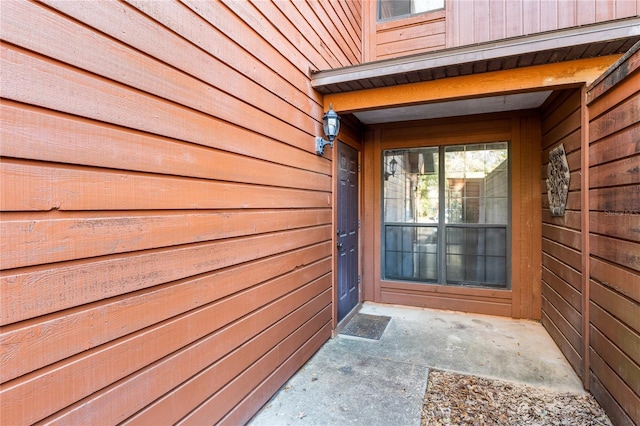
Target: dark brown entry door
347	229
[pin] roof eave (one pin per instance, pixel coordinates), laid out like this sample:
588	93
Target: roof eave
552	40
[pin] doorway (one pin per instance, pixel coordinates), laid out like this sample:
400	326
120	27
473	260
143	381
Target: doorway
347	231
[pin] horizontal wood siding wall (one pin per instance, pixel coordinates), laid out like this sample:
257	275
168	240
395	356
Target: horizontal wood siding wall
470	22
562	304
523	131
166	231
614	238
400	37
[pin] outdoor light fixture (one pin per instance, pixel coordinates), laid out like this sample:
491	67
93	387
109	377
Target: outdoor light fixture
331	127
393	166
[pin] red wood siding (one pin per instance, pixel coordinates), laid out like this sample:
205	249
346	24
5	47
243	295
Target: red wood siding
400	37
614	238
561	236
465	22
470	22
418	34
166	224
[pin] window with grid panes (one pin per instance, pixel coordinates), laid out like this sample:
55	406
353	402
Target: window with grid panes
446	215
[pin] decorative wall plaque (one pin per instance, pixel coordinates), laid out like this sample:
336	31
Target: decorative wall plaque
558	177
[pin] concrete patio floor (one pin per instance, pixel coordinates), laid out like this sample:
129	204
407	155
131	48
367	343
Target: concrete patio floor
358	381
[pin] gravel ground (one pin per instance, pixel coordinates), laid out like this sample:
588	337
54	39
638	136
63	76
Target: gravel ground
456	399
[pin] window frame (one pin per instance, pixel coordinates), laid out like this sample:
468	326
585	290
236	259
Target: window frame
442	226
380	19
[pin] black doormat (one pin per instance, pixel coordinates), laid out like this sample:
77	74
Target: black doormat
366	326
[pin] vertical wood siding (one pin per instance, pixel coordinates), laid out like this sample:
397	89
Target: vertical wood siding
470	22
561	239
166	224
614	237
466	22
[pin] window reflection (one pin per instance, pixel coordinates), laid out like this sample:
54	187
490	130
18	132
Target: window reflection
448	230
477	183
388	9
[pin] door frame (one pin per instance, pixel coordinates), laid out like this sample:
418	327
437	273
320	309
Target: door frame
337	326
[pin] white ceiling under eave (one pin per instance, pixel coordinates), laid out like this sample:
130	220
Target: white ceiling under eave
514	102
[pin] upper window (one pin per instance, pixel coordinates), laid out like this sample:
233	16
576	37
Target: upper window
388	9
446	214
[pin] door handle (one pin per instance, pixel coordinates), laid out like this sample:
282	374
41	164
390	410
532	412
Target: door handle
340	247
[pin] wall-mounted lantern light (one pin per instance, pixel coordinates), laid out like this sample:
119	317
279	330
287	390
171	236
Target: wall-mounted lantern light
391	170
331	127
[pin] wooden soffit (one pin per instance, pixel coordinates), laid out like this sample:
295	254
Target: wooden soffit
538	62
